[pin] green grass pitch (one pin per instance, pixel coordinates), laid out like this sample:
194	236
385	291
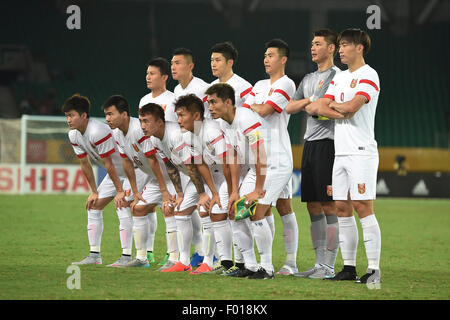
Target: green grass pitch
42	234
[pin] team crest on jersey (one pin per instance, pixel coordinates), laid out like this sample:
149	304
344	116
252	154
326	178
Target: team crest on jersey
354	82
135	147
361	188
329	190
271	91
319	86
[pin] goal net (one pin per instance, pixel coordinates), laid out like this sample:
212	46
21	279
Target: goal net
37	157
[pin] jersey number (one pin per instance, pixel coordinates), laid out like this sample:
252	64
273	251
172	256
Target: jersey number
342	96
137	161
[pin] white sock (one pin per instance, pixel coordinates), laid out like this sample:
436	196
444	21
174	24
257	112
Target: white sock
125	229
348	239
263	238
184	235
197	232
271	221
171	238
152	225
238	257
224	239
140	232
208	240
290	237
372	240
95	229
244	239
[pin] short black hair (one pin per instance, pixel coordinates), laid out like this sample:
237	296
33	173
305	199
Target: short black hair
119	102
162	64
222	90
192	103
281	45
226	49
187	53
356	36
330	37
77	102
154	109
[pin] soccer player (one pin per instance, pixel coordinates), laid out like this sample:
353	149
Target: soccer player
182	66
208	146
318	156
269	98
158	71
352	100
150	180
223	59
168	140
182	70
94	138
247	134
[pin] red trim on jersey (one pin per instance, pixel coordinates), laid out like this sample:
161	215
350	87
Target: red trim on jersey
218	138
256	125
143	139
245	92
181	146
103	140
106	154
252	93
329	96
123	155
188	161
205	99
275	106
222	155
246	106
165	159
150	153
283	93
373	84
363	94
257	143
332	82
81	156
74	144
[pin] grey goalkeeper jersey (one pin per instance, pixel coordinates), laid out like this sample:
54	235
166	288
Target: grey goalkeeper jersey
316	83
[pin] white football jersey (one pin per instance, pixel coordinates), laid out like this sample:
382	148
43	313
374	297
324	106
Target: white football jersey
137	147
241	88
172	147
166	100
198	87
244	134
276	95
210	144
356	136
97	142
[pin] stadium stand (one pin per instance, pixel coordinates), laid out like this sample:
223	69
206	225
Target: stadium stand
109	53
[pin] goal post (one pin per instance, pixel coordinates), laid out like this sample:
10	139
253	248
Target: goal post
36	157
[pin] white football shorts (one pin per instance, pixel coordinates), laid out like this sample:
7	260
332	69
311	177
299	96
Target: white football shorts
222	188
355	174
190	195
